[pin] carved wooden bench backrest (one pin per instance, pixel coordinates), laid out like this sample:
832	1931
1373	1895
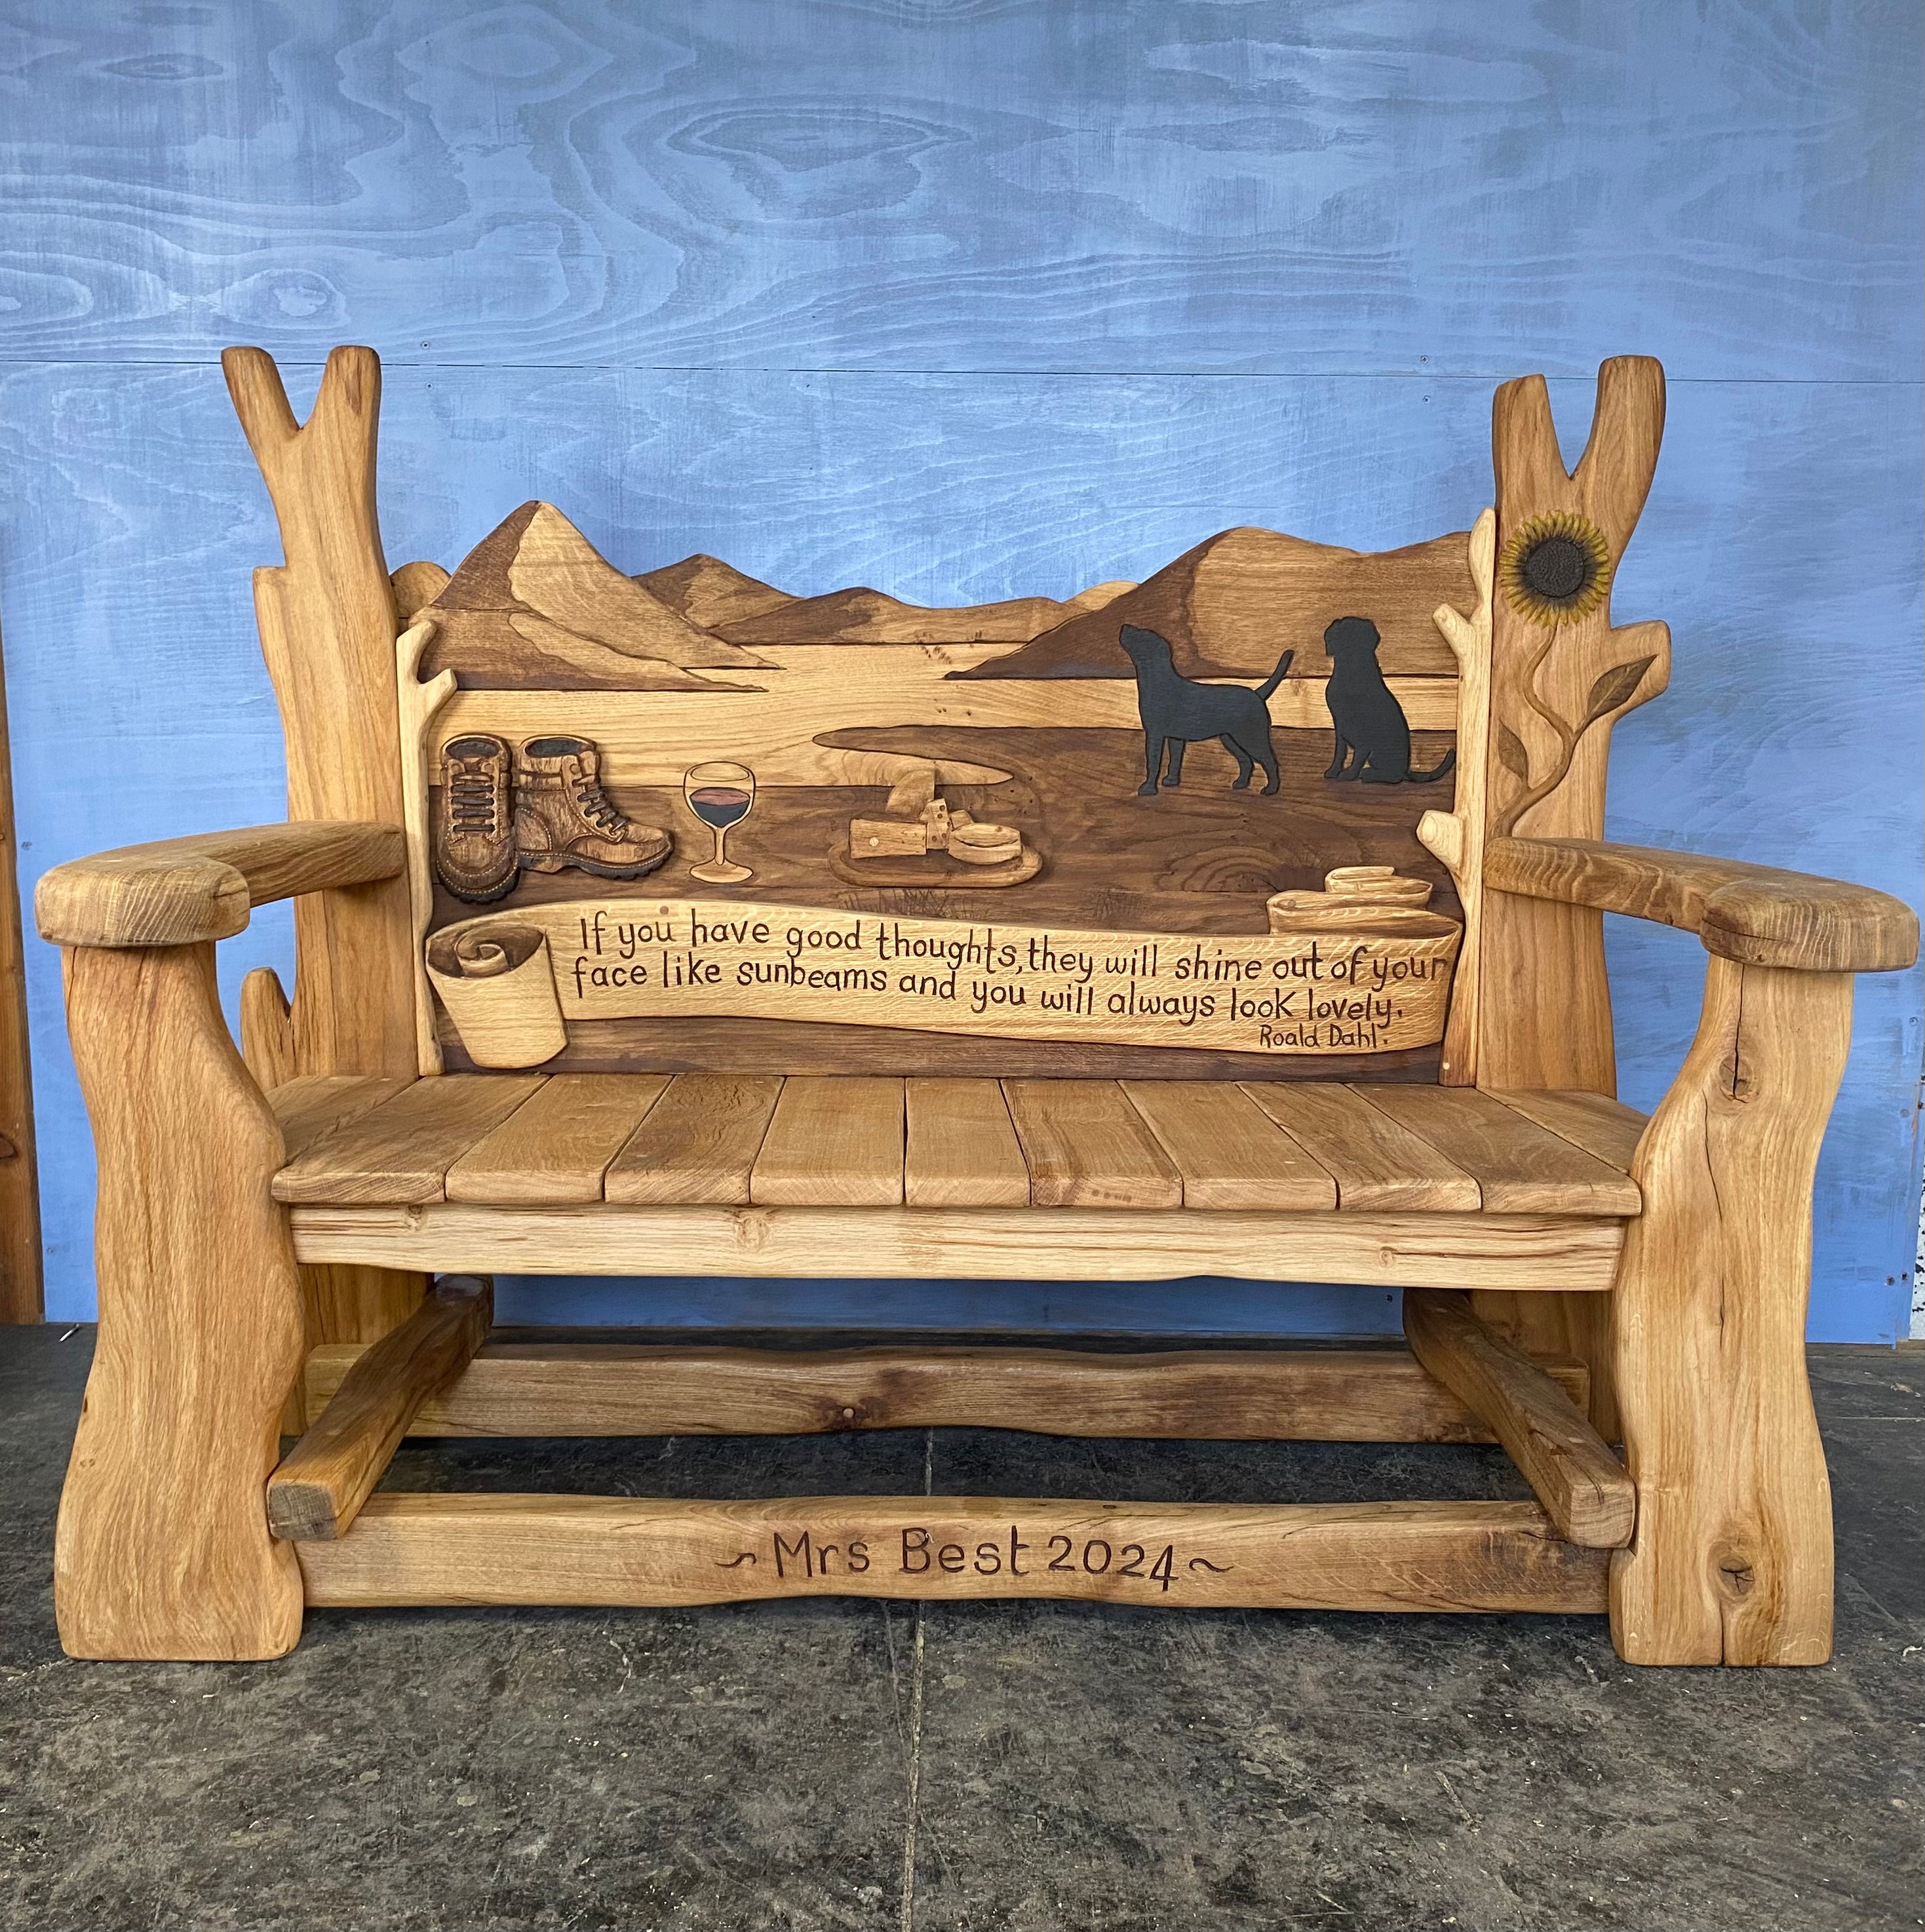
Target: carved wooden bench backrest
965	849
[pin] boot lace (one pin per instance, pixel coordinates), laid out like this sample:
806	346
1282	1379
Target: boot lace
471	803
595	805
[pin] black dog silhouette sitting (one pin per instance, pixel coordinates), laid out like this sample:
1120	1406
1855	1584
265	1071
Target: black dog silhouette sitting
1177	711
1372	732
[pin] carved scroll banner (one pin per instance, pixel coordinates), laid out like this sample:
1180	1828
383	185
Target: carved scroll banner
1367	984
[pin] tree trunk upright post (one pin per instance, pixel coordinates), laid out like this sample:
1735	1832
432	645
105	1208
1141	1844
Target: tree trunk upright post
327	625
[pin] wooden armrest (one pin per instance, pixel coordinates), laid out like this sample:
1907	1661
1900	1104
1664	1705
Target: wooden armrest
1755	914
178	892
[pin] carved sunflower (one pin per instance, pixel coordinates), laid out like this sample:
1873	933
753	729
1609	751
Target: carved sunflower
1557	568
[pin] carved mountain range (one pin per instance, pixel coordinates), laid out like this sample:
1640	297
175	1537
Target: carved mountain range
709	592
1233	604
861	615
536	604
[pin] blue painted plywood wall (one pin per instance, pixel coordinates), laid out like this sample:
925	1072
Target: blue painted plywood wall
968	298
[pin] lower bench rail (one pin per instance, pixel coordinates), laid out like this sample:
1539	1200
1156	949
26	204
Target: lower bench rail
623	1552
616	1388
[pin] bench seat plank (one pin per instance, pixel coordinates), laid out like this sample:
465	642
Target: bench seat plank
1087	1147
1230	1153
557	1144
731	1140
836	1141
1379	1167
313	1105
697	1145
1597	1124
1519	1167
400	1151
962	1149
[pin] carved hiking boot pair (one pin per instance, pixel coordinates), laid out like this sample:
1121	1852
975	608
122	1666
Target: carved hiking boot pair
544	811
563	817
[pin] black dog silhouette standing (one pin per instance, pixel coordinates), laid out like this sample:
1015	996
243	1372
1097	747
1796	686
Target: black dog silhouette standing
1372	732
1177	711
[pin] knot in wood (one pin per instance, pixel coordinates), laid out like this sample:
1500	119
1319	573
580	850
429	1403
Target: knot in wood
1733	1571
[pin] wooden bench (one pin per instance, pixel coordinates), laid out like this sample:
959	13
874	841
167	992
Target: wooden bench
1006	990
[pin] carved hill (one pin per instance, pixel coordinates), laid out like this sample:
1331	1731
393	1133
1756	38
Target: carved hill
1098	595
709	592
536	604
862	616
1233	605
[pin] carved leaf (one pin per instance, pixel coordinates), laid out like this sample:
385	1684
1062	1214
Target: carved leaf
1614	688
1511	754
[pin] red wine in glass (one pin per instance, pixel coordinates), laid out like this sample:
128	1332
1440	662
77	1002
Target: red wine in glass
720	805
720	794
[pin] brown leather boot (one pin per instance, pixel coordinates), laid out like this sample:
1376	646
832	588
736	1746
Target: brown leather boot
474	838
563	817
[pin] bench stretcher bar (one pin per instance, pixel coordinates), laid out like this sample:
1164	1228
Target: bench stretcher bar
560	1388
616	1551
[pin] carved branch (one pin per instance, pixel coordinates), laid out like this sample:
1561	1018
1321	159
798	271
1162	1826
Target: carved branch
1457	837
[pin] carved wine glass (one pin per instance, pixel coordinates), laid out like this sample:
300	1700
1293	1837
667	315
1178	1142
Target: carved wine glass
720	794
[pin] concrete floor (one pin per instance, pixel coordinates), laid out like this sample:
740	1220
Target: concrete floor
975	1766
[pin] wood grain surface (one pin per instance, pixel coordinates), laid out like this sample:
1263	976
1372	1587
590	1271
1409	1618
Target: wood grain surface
557	1146
1088	1147
615	1388
849	294
698	1143
617	1550
1732	1559
574	1139
1582	1486
1527	1253
320	1486
21	1296
1229	1151
961	1149
1377	1165
401	1150
833	1142
1519	1168
161	1550
1757	915
327	624
177	892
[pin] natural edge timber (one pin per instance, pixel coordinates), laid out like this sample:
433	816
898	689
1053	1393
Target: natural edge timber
21	1296
1415	1250
327	625
621	1551
162	1548
1756	915
330	1472
179	892
587	1388
1731	1562
1583	1486
1559	682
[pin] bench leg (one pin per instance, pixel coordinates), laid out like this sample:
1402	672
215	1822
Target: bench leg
163	1549
1731	1562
